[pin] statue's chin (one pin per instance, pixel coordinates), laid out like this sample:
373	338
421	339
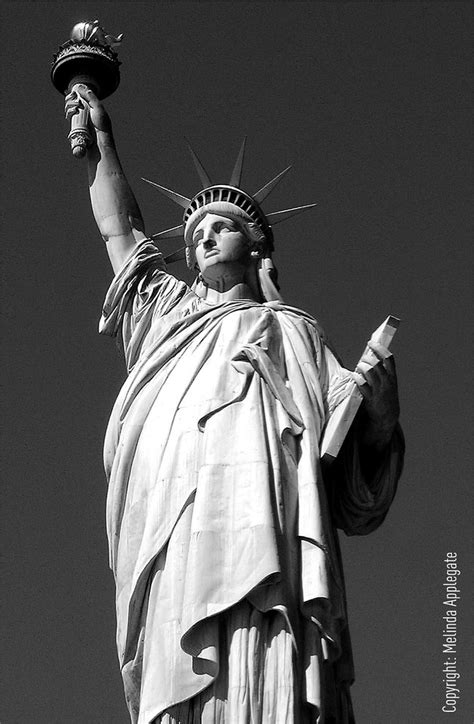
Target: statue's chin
222	275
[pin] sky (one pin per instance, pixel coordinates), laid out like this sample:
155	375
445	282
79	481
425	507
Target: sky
372	104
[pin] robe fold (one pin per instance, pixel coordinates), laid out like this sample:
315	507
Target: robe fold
217	510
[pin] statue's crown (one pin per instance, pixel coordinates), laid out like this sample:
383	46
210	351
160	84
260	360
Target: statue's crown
223	194
224	198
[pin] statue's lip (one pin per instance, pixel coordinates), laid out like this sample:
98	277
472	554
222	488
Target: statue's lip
211	252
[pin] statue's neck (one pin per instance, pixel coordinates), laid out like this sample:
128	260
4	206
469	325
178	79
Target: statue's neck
238	291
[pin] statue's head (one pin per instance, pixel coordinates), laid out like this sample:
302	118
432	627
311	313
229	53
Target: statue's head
235	205
227	242
227	248
247	231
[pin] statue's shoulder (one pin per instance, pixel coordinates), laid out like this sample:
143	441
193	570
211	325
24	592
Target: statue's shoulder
299	317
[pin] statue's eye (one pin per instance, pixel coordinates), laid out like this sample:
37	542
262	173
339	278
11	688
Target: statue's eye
225	227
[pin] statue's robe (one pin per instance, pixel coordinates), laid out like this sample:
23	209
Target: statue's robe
230	595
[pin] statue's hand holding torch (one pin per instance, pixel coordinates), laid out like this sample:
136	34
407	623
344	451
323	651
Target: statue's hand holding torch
85	70
86	114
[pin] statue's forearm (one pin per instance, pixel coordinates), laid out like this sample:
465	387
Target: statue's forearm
113	203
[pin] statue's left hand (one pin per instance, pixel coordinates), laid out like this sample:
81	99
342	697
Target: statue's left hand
378	385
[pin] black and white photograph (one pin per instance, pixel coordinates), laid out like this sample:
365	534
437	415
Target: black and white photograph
236	362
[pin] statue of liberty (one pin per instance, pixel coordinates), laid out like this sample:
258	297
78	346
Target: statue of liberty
222	521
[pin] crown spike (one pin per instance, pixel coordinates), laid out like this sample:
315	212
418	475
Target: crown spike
268	188
203	175
173	195
237	172
277	216
169	233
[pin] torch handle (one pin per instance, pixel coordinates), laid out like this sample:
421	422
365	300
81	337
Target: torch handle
80	136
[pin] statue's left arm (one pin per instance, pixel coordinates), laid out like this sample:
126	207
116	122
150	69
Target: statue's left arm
362	481
378	416
378	386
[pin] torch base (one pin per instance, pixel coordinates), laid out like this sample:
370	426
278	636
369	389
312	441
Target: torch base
89	63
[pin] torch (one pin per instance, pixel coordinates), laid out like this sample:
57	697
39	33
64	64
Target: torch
88	57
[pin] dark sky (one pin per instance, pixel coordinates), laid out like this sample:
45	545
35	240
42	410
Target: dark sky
372	104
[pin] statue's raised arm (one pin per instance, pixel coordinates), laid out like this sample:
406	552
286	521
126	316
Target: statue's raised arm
113	203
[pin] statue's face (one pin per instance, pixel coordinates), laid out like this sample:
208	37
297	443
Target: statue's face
220	246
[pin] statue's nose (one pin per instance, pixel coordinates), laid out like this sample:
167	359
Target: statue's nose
209	242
